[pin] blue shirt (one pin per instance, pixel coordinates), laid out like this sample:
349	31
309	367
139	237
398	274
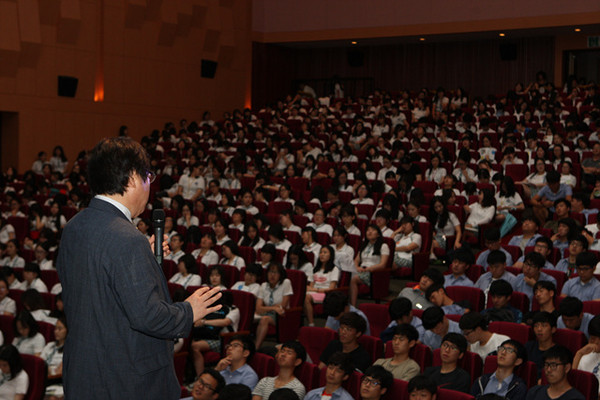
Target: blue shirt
244	375
486	280
521	286
339	394
561	246
334	324
435	341
497	387
562	193
516	241
583	291
461	280
563	265
585	321
453	309
482	259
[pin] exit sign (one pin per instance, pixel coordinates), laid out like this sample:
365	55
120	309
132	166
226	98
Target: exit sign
593	41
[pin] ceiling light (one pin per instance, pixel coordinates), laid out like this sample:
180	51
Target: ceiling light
501	34
577	29
422	39
353	42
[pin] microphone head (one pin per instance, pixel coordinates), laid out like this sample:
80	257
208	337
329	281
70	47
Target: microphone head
158	217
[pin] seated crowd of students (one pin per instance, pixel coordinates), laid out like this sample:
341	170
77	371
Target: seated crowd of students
340	191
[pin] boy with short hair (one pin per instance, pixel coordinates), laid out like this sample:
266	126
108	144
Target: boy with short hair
544	293
400	311
449	375
503	382
577	245
339	369
475	329
234	367
416	294
544	326
461	261
286	221
557	364
352	327
584	286
588	357
501	310
542	245
437	295
290	355
532	273
375	383
572	315
401	365
496	270
492	242
437	326
335	305
422	388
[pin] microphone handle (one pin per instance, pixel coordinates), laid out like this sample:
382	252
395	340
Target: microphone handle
158	242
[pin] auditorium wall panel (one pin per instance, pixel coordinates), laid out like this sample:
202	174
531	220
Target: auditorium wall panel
476	66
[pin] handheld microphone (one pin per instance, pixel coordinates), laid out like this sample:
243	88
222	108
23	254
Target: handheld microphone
158	221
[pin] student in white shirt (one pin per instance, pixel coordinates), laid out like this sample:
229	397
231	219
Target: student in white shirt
344	254
323	278
188	272
7	305
319	224
16	384
252	273
231	255
481	212
28	340
408	242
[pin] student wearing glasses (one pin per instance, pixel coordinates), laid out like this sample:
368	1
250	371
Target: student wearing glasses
207	386
584	286
339	369
557	364
503	381
449	375
375	383
234	367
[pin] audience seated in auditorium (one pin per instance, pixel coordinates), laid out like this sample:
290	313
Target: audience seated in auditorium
557	362
544	326
352	327
207	386
339	369
400	311
572	316
437	326
416	294
449	374
234	367
289	356
474	328
335	305
438	297
400	364
492	242
375	382
500	294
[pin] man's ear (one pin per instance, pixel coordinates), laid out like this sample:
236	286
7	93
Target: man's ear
383	390
518	362
297	362
246	353
412	343
346	377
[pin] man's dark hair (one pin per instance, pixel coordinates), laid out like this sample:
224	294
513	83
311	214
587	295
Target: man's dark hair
399	307
552	177
560	353
335	303
562	200
254	269
500	288
586	258
581	239
217	376
432	316
464	255
456	339
521	351
434	274
422	382
10	354
570	307
297	347
432	289
594	327
381	374
284	394
343	361
492	235
235	391
353	320
496	257
112	163
547	241
408	331
32	267
536	259
544	317
248	344
473	320
550	286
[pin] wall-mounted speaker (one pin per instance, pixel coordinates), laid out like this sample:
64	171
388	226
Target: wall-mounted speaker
508	51
208	69
67	86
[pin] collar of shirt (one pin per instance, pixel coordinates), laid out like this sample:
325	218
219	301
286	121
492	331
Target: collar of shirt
504	383
115	203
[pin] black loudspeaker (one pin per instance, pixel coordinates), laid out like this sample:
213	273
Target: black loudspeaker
508	51
209	69
356	58
67	86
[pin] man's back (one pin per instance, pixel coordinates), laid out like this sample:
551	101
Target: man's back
108	272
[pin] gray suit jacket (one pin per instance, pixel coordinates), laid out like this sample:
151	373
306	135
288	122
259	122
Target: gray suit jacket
120	317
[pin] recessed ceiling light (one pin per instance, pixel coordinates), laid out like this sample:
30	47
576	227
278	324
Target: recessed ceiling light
353	42
501	34
422	39
577	30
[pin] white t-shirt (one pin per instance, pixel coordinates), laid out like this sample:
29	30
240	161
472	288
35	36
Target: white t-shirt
480	215
490	347
5	233
8	305
271	296
367	258
252	288
30	345
405	240
450	228
590	363
344	258
18	385
190	185
185	281
322	281
511	201
210	258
